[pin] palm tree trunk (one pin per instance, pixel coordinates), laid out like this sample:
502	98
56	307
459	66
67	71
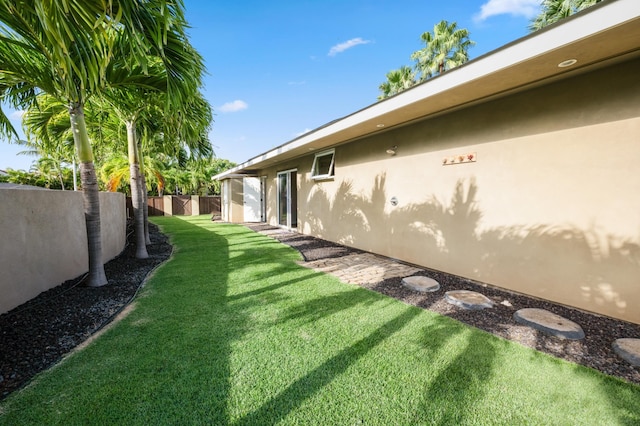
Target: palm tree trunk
91	196
145	198
75	179
136	191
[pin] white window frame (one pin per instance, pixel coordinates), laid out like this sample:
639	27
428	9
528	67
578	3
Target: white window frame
314	168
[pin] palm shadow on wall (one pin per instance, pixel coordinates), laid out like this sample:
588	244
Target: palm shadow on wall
582	259
591	265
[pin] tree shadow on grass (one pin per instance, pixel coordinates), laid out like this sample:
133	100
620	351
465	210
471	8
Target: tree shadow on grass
192	367
325	306
458	387
197	356
279	406
273	287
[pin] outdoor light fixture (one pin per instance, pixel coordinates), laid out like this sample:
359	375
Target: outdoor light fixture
567	63
392	150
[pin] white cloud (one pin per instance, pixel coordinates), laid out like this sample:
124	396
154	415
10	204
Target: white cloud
341	47
526	8
17	115
234	106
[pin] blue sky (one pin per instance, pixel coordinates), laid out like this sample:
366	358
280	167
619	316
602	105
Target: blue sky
277	69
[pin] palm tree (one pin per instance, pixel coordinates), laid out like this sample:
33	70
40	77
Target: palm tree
397	81
447	47
48	131
64	48
213	167
555	10
142	109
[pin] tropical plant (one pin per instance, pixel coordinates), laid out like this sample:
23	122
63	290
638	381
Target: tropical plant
556	10
397	81
40	175
48	130
446	48
66	48
114	173
216	166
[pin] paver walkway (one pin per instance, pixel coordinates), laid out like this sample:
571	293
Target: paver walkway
362	268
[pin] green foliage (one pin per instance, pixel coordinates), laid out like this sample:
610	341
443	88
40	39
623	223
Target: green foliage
194	176
42	176
232	331
397	81
446	48
556	10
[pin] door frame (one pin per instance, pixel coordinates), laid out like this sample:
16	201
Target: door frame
224	199
263	198
289	191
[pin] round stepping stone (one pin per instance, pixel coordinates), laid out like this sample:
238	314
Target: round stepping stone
629	350
421	283
468	299
549	323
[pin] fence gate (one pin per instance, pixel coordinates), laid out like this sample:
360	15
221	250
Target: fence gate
181	205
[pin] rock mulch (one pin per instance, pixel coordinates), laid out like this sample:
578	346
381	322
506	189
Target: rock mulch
37	334
595	350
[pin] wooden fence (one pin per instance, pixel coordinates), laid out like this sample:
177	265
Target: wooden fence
180	205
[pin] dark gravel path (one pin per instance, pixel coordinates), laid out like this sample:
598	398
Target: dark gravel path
37	334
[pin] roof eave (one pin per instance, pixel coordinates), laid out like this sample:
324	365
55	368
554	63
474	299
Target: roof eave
526	61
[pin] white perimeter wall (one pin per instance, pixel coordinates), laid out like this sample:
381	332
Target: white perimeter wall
43	239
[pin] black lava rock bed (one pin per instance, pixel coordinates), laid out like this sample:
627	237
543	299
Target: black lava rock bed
37	334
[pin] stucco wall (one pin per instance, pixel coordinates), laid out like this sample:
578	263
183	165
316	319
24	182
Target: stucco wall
44	239
550	207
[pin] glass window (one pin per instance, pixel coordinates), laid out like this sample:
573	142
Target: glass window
323	165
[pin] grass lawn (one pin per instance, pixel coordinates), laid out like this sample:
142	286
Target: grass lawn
231	331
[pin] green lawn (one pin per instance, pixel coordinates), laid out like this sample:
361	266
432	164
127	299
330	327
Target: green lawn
232	331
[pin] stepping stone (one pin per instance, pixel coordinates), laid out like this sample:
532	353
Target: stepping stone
468	299
549	323
628	349
421	283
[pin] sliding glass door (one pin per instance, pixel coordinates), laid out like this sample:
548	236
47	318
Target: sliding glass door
288	199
